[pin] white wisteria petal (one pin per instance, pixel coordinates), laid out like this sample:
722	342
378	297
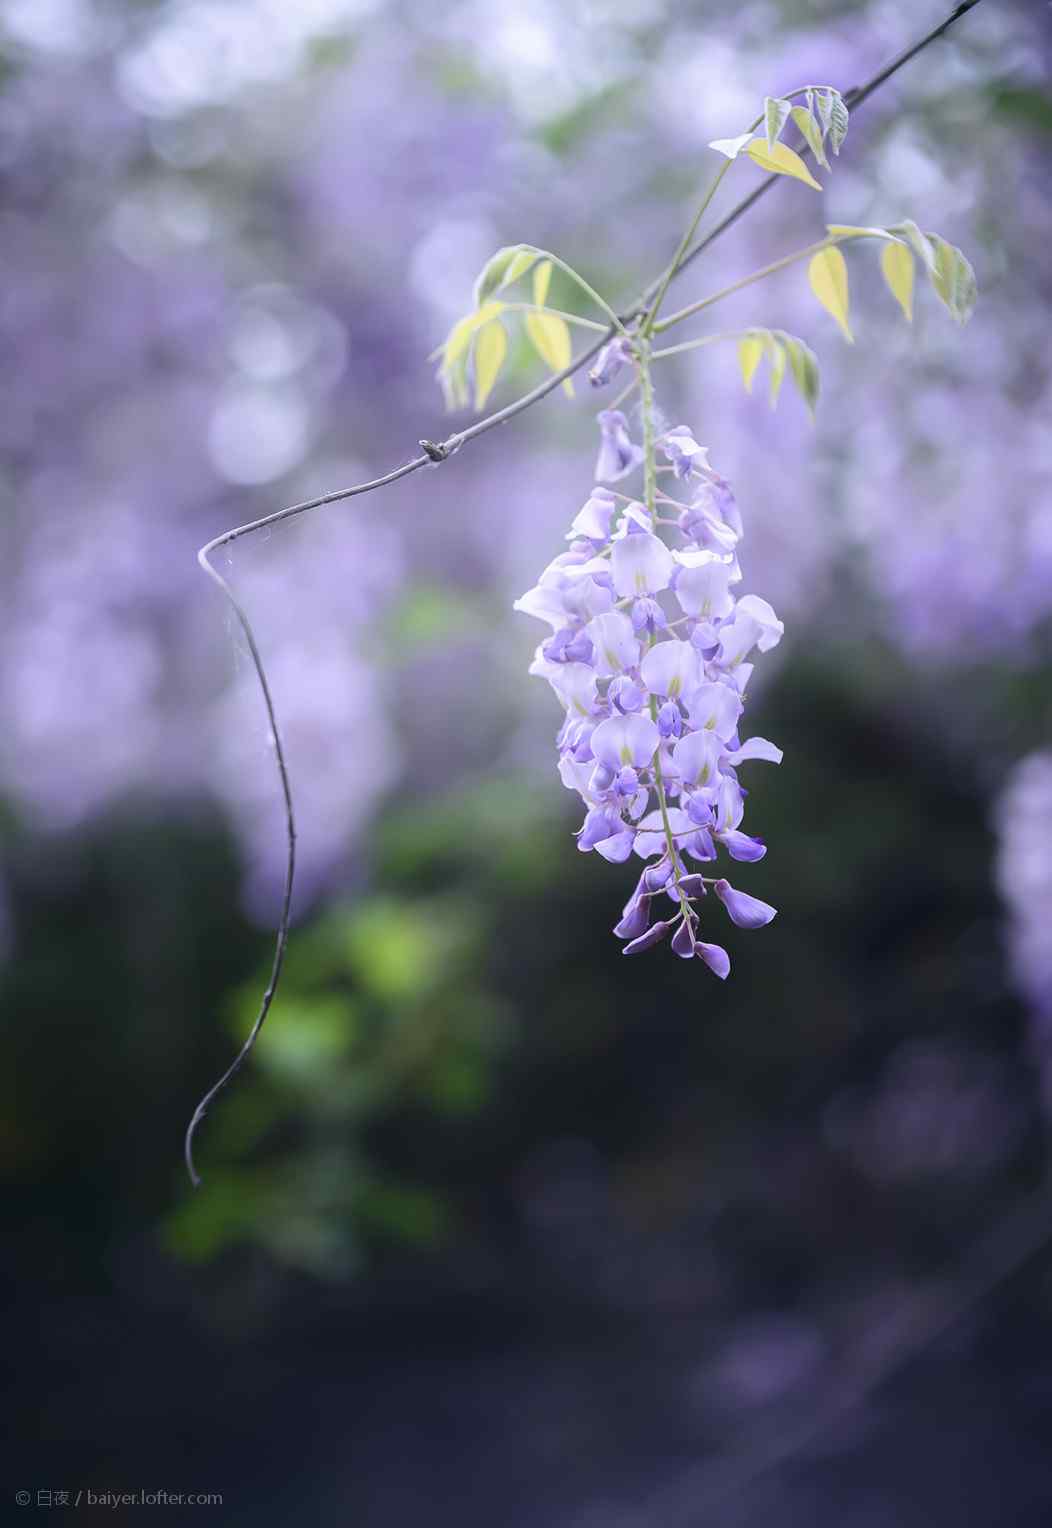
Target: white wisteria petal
617	848
703	589
573	567
738	638
756	748
671	668
641	564
587	597
697	757
575	777
771	628
716	708
616	644
545	602
730	805
595	517
543	667
635	514
575	684
625	740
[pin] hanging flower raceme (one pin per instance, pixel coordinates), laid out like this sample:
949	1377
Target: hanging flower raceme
650	656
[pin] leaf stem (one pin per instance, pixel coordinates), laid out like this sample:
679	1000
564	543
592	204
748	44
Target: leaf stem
600	302
647	326
570	318
750	280
707	339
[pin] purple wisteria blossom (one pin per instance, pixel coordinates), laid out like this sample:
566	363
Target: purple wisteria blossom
650	656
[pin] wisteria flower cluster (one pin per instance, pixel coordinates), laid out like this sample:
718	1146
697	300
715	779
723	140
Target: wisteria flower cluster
650	657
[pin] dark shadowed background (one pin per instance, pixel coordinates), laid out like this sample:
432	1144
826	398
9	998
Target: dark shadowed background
499	1227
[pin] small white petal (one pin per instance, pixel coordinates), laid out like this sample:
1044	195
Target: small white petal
575	777
738	638
756	748
730	807
760	611
641	564
732	147
625	740
544	602
697	757
594	518
557	572
617	848
704	590
616	645
671	668
716	707
575	685
635	514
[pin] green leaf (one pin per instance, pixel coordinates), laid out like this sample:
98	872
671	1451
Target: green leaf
803	364
917	241
812	134
850	231
542	277
775	116
896	262
827	273
781	160
750	353
833	115
461	334
731	147
453	372
776	352
551	340
490	349
953	279
506	266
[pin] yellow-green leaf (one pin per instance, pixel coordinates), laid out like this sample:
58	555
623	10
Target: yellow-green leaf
490	349
833	115
812	133
520	264
953	278
551	340
506	266
917	241
777	354
775	116
750	354
827	274
850	231
896	262
461	333
804	366
781	160
542	277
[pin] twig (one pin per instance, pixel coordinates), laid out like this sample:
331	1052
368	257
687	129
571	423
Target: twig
434	453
